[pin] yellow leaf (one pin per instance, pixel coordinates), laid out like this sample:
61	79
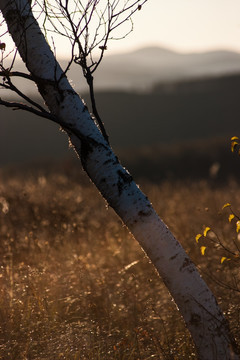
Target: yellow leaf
203	248
237	226
224	258
233	145
226	205
234	138
231	216
206	230
197	237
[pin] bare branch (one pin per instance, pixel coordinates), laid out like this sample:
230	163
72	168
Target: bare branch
16	74
21	106
7	84
88	25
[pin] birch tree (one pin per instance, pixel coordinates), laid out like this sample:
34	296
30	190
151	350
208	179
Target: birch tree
196	303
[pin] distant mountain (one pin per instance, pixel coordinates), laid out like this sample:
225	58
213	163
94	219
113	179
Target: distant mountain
141	69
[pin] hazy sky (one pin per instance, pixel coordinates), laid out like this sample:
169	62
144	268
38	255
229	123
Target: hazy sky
185	25
182	25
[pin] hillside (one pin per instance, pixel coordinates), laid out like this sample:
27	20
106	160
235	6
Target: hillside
161	123
172	112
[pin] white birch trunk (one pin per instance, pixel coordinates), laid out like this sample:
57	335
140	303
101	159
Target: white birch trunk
195	301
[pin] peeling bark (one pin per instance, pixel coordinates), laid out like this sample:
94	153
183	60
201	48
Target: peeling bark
198	306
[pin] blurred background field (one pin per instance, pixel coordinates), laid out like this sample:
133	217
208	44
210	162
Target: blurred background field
75	285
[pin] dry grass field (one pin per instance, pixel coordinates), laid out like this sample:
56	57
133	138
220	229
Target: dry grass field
75	285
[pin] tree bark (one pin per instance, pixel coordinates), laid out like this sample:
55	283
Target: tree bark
197	304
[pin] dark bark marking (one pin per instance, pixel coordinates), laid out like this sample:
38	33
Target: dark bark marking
10	15
107	162
85	108
145	212
195	320
70	91
86	148
124	179
187	263
173	257
111	161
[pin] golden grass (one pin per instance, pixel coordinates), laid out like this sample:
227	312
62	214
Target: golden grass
75	285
